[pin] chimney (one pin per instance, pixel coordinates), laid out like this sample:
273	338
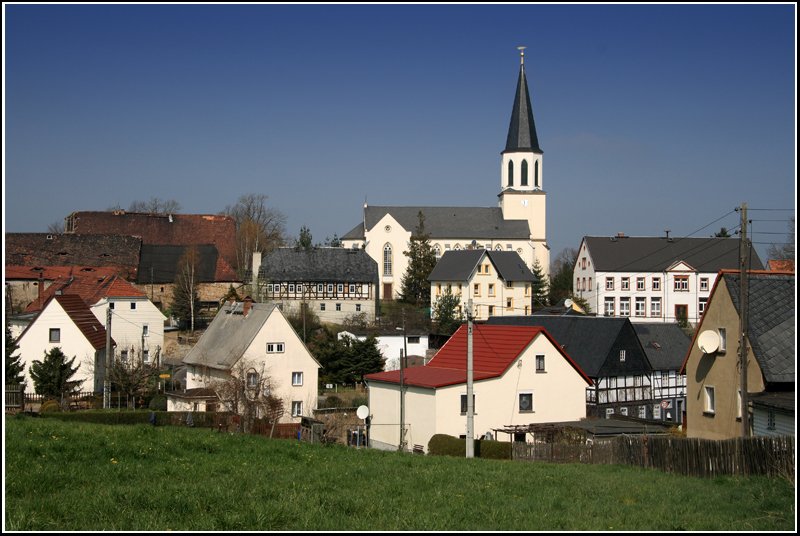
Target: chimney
41	287
248	302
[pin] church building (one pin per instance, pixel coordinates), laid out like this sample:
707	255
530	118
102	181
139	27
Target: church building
517	223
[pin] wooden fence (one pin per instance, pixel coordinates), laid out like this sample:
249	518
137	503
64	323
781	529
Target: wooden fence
15	397
773	456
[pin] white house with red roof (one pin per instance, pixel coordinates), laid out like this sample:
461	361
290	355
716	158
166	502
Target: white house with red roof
137	326
520	376
66	322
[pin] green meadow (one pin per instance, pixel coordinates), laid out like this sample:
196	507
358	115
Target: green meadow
72	476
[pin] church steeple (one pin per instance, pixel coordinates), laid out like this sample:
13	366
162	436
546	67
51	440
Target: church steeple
522	130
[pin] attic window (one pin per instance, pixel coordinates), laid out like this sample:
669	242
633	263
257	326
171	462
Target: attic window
104	255
63	253
655	345
87	269
49	237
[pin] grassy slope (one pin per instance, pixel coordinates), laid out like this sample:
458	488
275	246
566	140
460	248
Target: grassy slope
73	476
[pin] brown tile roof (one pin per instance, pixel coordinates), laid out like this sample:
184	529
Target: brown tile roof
161	229
51	273
79	312
46	249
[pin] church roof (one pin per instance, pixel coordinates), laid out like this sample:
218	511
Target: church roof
522	129
483	223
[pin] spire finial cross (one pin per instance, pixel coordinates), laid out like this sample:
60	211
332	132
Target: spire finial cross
521	54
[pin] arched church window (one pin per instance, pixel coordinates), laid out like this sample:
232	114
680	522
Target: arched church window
510	173
457	247
536	174
524	178
387	259
437	250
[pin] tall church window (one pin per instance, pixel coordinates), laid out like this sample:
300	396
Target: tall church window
387	259
524	178
510	173
536	174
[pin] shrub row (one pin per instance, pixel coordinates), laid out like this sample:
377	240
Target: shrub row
445	445
174	418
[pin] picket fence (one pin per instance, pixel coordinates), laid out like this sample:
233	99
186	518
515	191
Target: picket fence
773	456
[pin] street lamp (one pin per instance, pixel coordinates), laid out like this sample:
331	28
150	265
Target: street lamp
402	444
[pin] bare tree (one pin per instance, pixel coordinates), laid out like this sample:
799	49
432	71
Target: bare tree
185	301
785	251
156	206
258	228
57	227
133	377
249	392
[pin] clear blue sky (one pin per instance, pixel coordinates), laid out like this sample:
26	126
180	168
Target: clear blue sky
650	117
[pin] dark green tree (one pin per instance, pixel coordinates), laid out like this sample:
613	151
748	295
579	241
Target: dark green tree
345	360
722	233
304	241
415	287
446	313
561	276
52	377
14	368
540	287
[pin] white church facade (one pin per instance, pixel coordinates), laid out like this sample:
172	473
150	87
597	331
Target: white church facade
518	223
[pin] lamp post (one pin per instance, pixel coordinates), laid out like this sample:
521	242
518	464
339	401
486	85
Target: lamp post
401	447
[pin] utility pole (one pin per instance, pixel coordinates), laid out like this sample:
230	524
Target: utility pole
744	260
107	381
402	445
470	403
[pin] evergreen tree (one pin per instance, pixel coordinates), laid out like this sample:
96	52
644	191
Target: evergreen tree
540	287
415	287
14	368
304	241
447	317
561	276
52	377
346	360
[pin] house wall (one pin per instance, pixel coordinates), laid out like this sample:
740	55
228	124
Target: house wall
335	306
720	371
391	347
279	366
35	342
783	422
485	304
127	326
558	395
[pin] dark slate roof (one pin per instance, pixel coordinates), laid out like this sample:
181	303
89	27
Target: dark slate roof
482	223
49	249
593	342
459	265
522	129
784	400
161	263
771	321
665	344
657	254
319	265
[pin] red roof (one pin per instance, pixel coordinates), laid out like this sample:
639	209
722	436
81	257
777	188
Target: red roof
90	287
781	265
494	350
49	273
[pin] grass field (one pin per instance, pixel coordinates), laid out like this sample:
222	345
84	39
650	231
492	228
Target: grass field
68	476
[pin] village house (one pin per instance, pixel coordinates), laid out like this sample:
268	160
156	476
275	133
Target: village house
652	279
392	346
712	365
517	224
520	374
335	283
66	321
258	338
498	282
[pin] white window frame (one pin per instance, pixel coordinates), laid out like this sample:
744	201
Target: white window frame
703	283
540	363
609	311
625	283
527	394
609	283
640	283
709	400
624	311
655	312
275	348
656	283
54	335
297	408
640	311
297	378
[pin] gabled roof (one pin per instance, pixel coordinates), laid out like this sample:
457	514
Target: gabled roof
460	265
494	350
770	321
83	318
522	129
161	229
665	344
593	342
47	249
466	223
319	265
159	264
90	287
657	254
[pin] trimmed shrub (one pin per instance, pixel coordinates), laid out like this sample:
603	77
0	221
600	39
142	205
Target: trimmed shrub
494	450
50	406
158	403
445	445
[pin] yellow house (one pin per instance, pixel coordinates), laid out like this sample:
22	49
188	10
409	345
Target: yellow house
498	282
521	376
713	380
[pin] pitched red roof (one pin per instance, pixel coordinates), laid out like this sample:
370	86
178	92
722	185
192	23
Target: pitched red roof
90	287
494	349
51	273
80	314
781	265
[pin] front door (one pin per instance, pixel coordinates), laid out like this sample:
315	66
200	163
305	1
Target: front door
387	291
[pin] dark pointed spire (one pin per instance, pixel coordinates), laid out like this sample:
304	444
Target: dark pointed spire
522	130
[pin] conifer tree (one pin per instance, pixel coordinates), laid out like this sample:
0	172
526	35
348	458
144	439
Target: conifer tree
14	368
540	287
415	287
52	377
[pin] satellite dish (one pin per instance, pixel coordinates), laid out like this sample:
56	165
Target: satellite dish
708	342
362	412
567	303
